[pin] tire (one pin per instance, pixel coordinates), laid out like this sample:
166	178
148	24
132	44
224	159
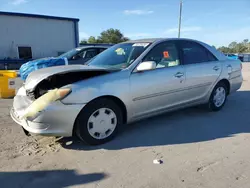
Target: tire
99	121
213	104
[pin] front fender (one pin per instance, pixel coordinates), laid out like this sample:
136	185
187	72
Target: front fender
116	85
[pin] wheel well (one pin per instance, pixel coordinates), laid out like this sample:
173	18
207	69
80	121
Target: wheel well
116	100
120	103
227	83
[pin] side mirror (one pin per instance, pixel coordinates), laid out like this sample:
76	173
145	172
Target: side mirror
147	65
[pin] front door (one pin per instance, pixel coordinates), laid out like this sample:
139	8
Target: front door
160	88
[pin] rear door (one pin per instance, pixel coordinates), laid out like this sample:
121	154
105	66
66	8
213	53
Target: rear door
201	67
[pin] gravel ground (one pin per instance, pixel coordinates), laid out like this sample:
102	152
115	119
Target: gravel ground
198	149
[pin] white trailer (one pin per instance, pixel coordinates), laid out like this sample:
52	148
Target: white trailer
36	36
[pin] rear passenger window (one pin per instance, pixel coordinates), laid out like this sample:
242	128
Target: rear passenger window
195	53
211	57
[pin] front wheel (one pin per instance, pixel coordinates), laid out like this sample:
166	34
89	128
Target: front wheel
99	121
218	97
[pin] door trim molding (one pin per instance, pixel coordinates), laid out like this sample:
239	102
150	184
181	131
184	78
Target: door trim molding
165	110
171	91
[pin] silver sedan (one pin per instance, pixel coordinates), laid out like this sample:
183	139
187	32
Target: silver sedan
128	82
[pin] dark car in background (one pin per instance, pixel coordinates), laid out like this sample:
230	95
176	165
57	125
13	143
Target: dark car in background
76	56
82	54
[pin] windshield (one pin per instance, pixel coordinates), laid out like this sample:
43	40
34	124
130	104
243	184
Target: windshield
119	56
70	53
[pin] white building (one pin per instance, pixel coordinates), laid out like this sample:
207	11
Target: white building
25	36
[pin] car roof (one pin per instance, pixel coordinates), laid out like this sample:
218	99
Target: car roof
90	46
149	40
213	50
97	44
152	40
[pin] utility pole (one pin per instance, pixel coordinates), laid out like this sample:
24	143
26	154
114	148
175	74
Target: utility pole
179	30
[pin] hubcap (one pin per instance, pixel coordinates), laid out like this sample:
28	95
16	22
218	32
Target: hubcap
102	123
219	96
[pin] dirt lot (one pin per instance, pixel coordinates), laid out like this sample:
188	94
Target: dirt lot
198	149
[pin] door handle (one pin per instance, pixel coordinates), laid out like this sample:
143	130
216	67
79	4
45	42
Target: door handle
179	74
216	68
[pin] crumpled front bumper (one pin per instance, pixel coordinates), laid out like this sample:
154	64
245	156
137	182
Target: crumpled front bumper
56	120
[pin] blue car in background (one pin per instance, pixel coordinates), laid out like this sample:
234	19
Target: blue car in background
232	56
79	55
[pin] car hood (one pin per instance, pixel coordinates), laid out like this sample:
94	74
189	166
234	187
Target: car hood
37	76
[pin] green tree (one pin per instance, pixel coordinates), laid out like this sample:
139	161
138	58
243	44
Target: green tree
247	45
245	41
240	48
92	39
224	49
112	36
83	41
232	45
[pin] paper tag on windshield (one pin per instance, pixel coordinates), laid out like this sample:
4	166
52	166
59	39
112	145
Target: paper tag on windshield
144	44
120	51
165	54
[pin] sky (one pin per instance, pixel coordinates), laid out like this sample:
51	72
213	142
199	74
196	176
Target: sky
216	22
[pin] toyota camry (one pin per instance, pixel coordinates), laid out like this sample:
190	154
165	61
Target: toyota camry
125	83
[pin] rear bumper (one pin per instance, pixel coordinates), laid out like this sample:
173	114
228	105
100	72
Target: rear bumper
56	120
235	83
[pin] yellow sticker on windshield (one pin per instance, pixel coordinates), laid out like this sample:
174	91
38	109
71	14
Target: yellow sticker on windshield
120	51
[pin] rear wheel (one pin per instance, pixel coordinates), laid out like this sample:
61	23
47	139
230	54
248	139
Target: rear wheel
99	121
218	97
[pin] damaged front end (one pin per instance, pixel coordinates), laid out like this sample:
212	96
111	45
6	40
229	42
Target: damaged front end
43	101
59	80
41	94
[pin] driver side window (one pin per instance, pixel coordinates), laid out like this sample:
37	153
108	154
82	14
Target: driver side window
91	53
164	55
